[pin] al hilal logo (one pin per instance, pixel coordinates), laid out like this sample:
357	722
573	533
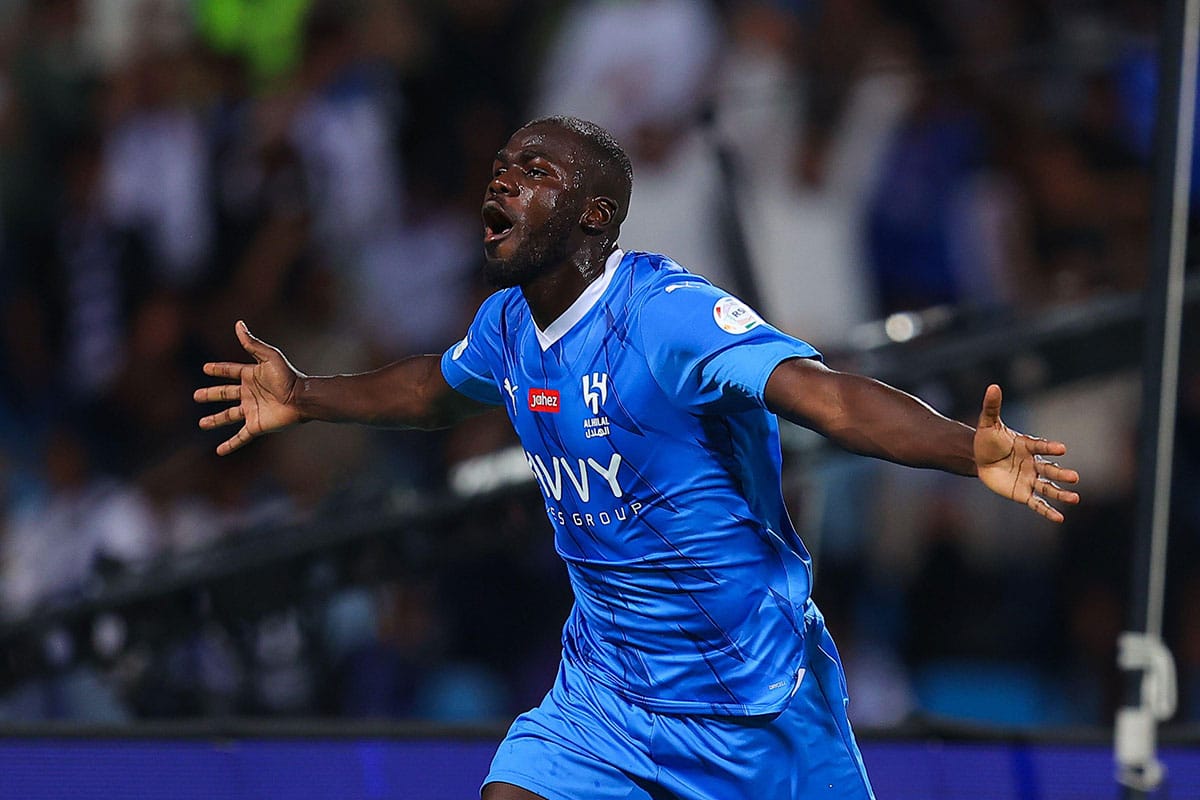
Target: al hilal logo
734	316
545	400
595	390
595	395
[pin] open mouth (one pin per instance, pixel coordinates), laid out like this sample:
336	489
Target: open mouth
496	222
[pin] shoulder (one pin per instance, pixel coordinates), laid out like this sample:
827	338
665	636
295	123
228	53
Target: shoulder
662	286
671	307
497	317
656	275
501	300
676	308
501	307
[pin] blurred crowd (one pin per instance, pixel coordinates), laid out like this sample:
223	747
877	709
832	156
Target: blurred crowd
315	168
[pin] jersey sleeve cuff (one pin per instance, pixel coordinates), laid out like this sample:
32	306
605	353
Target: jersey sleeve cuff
776	354
469	383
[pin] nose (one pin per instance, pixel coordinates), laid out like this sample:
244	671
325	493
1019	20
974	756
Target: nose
501	184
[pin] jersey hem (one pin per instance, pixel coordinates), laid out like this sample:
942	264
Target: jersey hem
693	707
523	781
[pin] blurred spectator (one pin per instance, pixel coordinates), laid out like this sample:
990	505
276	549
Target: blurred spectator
48	105
923	203
807	192
267	35
145	416
85	525
633	66
31	397
156	167
106	272
1135	78
414	282
341	123
643	69
323	458
112	33
380	675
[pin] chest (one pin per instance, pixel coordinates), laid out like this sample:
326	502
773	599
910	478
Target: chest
584	395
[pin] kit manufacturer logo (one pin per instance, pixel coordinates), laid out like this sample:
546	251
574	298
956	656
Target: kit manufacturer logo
511	388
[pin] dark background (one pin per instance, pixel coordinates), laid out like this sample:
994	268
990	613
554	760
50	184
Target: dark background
941	193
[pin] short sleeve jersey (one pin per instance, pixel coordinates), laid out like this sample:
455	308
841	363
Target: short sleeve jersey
641	414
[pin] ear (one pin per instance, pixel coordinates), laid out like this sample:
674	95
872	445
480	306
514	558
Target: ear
599	215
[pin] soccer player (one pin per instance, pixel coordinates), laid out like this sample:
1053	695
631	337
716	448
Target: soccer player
695	664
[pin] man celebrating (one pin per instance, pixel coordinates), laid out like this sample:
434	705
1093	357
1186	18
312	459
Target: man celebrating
695	664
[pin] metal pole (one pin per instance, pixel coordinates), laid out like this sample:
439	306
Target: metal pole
1172	307
1152	679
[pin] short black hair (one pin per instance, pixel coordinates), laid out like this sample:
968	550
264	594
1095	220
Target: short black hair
604	153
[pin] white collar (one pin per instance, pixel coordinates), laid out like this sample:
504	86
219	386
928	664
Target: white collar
583	304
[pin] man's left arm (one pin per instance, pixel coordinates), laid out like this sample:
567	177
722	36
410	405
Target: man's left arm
865	416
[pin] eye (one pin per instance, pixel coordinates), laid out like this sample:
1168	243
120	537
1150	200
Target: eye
536	172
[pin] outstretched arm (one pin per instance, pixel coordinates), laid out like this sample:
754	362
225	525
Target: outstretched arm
271	395
868	417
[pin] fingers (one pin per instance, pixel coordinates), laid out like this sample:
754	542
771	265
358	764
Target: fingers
1023	472
225	369
1052	490
226	417
256	347
251	343
1044	487
228	392
1055	472
989	416
1044	447
231	393
1048	511
234	442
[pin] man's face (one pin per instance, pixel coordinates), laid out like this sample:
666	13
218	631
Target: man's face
532	205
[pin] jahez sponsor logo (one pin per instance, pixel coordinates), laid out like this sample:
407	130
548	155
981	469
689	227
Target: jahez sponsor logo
543	400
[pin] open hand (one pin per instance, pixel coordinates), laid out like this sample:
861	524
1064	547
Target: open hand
264	392
1016	466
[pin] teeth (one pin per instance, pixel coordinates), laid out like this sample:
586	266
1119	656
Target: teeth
495	221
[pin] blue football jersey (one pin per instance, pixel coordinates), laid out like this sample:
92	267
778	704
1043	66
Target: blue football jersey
641	414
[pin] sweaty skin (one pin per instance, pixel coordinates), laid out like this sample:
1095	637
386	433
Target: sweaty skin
551	216
550	219
560	233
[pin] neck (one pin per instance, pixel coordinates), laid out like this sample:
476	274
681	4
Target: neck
553	292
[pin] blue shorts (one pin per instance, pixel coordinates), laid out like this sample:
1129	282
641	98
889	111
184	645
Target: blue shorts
585	742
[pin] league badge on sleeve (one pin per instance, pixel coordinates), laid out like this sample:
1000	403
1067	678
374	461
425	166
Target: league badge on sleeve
734	316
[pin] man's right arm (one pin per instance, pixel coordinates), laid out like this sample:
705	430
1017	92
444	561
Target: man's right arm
271	395
409	393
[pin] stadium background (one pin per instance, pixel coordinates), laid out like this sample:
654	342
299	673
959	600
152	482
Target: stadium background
940	193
